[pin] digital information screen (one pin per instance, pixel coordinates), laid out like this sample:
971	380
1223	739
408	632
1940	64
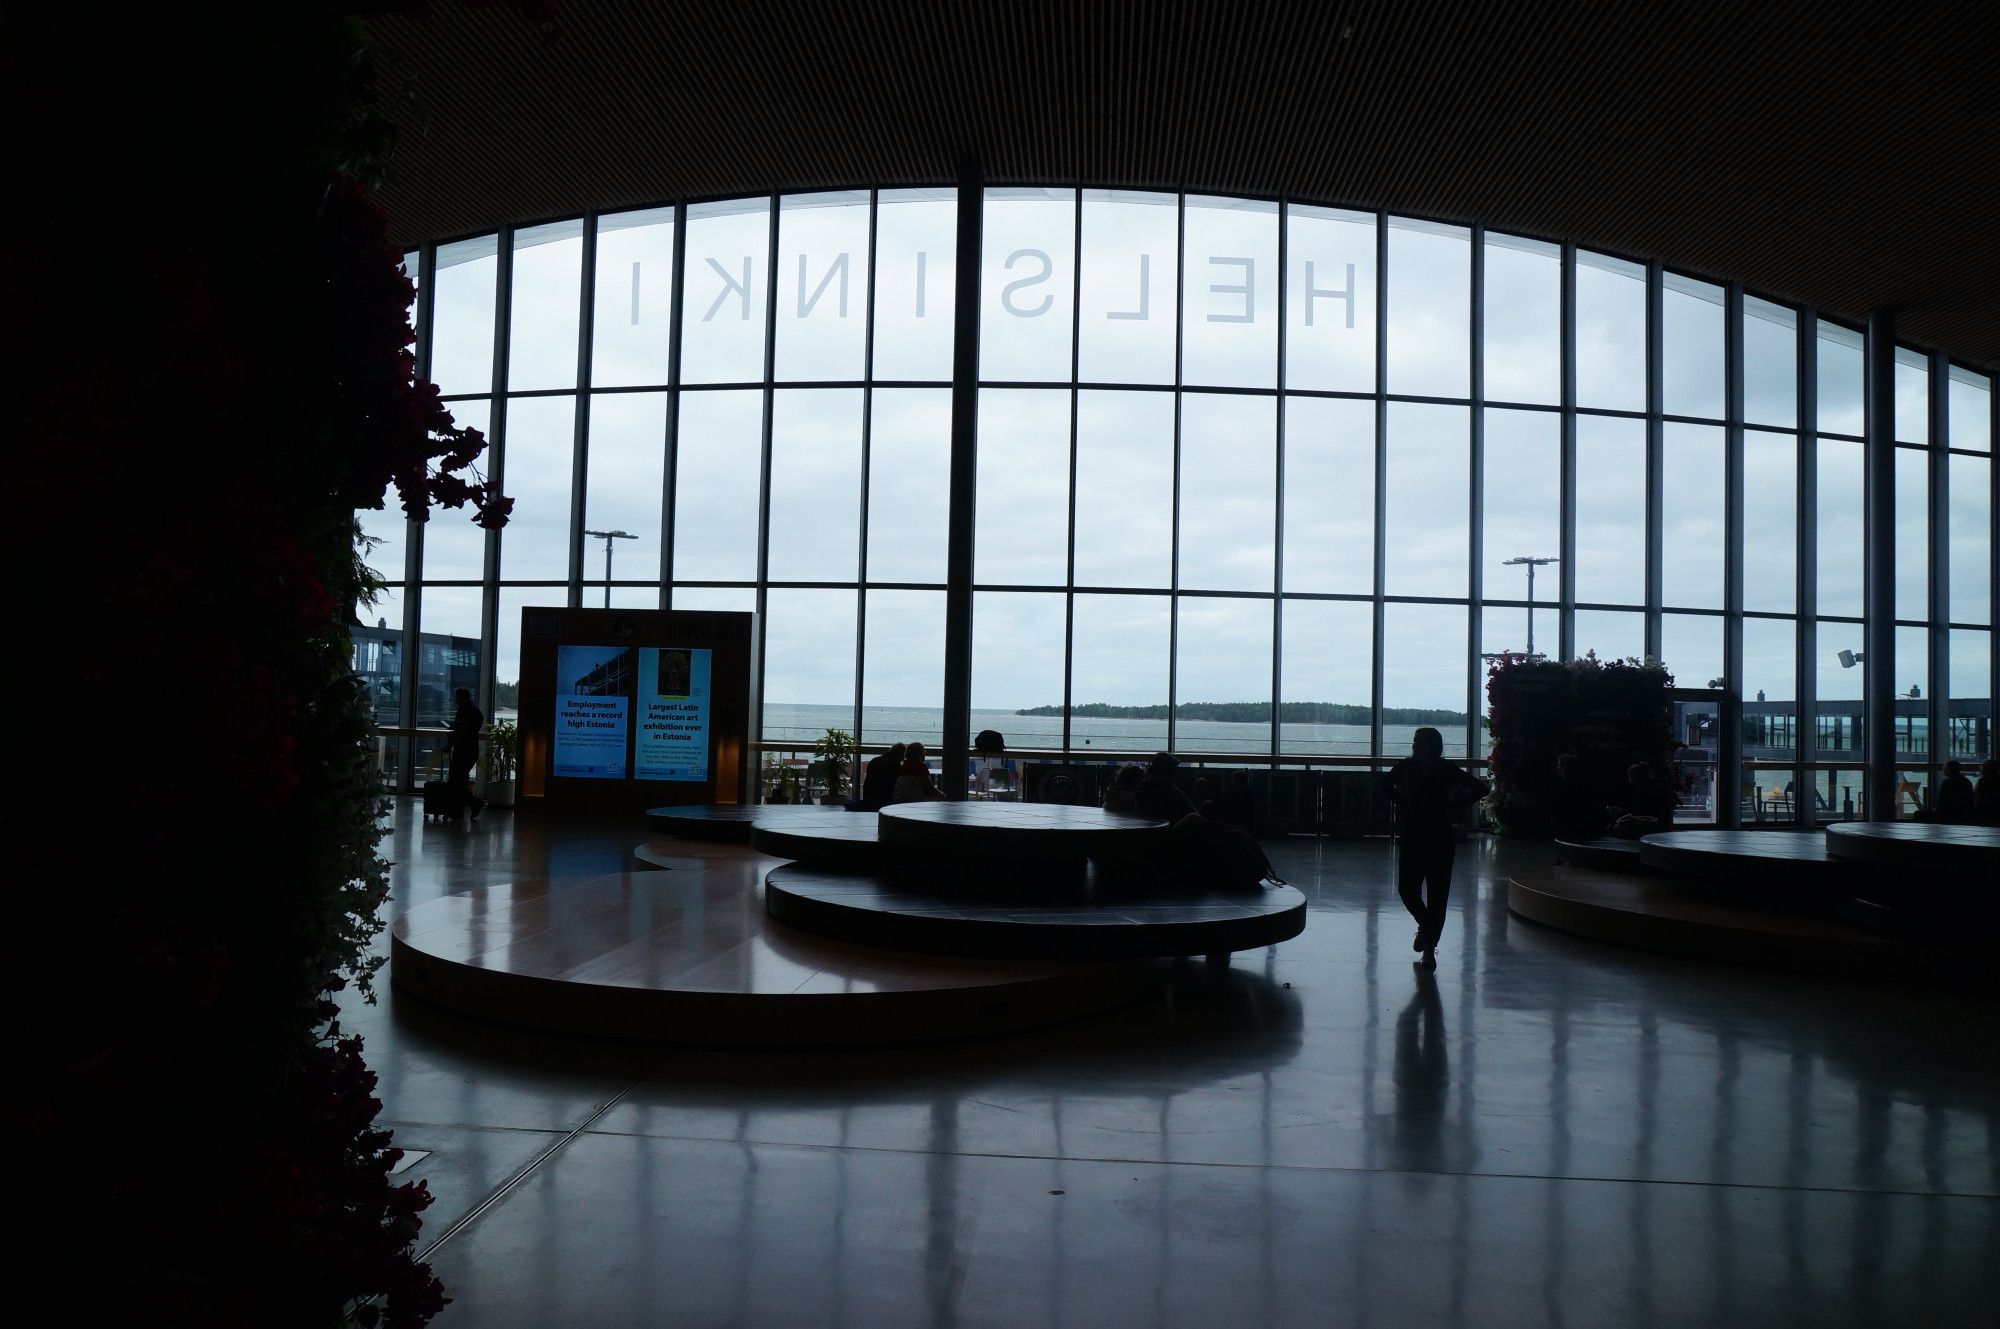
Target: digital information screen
673	713
593	709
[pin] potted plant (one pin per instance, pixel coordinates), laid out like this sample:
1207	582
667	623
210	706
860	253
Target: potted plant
833	764
499	754
784	784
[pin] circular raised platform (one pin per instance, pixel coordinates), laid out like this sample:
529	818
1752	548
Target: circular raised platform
842	841
729	823
1969	851
692	957
1042	832
1676	918
1607	852
881	910
1788	860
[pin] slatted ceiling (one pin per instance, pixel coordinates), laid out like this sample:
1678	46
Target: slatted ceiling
1838	158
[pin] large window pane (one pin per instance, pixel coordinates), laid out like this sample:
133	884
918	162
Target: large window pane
547	285
1027	284
1913	400
1427	465
916	266
1692	534
1229	326
1610	333
815	484
1610	634
1328	656
1840	548
1971	582
1770	363
1124	489
632	310
1691	649
1224	656
1130	252
1970	714
454	548
1022	532
1913	498
1017	664
1969	406
726	271
1840	409
1770	521
1424	676
625	476
1430	308
1610	510
909	483
1691	346
902	674
808	664
1330	300
1523	310
715	493
462	315
1228	492
1329	495
717	599
1521	497
449	655
1119	658
1770	691
541	447
1837	688
822	285
388	531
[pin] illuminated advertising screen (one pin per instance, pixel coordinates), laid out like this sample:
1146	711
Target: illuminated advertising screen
674	687
593	709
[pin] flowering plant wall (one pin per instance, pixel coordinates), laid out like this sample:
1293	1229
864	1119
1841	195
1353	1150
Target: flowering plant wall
1611	713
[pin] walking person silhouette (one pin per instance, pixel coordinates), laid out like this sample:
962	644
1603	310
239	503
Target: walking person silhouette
1427	791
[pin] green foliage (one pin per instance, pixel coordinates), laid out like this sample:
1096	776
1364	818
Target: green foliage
1611	713
833	761
499	753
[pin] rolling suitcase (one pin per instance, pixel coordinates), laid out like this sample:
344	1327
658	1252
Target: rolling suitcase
439	800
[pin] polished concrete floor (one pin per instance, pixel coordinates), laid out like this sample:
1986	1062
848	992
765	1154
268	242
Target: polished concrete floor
1549	1132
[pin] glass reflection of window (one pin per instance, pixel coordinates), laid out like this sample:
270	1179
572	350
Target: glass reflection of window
724	311
1228	492
1610	333
1770	363
1523	328
1130	261
1690	346
633	303
1426	479
1610	511
1692	535
1770	521
1021	535
1329	495
1329	300
916	265
822	276
815	484
1027	279
542	327
716	489
1229	319
1124	488
1328	659
1430	308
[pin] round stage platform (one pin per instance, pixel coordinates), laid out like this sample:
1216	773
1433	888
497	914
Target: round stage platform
729	823
1782	860
842	841
693	957
1020	832
1972	852
1606	852
884	910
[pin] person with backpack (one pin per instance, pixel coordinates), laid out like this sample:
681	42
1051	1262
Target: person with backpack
1427	792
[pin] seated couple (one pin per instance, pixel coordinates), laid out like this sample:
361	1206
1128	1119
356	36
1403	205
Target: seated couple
897	776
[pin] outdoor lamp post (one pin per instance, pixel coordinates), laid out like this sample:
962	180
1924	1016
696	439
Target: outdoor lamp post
608	537
1531	564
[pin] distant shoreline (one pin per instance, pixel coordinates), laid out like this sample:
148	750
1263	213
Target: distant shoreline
1259	712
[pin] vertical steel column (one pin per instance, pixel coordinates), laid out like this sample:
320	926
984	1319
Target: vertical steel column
1566	570
579	465
1805	663
496	474
1992	566
1069	536
1729	744
1278	501
1938	612
409	647
1656	501
764	471
1174	565
670	457
1379	647
1475	580
867	452
1878	595
964	479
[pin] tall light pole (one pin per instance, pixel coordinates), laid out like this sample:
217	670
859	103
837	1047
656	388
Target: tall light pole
609	536
1531	564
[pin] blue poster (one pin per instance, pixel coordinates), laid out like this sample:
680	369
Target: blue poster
673	713
593	706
